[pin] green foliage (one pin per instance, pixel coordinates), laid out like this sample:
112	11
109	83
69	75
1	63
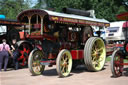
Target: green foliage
39	5
107	9
11	8
59	4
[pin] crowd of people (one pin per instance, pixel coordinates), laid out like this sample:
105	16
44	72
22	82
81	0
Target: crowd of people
7	51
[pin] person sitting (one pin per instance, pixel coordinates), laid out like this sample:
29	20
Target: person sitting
15	51
4	54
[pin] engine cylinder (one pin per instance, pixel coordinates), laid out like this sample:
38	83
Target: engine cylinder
76	11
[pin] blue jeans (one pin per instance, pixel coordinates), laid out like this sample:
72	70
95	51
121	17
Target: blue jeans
15	59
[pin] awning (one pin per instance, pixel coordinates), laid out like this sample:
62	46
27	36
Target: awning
123	16
9	22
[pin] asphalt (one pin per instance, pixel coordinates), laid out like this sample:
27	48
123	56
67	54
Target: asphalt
78	76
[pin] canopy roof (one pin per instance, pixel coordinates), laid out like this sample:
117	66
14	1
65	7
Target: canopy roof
10	22
62	17
123	16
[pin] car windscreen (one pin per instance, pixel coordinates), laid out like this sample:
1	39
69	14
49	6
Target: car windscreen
113	29
3	30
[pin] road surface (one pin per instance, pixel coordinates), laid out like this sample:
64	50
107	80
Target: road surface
79	76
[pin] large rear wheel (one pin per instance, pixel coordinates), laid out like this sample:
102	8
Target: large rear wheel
24	51
94	54
64	63
116	63
34	62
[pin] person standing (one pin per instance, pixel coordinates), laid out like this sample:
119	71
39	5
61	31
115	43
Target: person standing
15	51
4	54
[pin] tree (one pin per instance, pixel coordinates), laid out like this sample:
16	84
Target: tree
11	8
59	4
40	4
107	9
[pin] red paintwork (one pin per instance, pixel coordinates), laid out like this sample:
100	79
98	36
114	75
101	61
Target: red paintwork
123	16
124	63
10	22
77	54
118	64
76	21
109	53
37	26
24	52
22	57
119	45
39	46
51	62
22	35
125	24
41	37
126	48
52	56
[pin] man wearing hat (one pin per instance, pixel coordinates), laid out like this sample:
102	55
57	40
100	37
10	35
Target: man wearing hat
4	54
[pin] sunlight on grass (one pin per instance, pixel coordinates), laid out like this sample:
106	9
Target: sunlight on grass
109	59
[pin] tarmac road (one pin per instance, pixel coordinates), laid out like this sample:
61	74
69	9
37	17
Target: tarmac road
79	76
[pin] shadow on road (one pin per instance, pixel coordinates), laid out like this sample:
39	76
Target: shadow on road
78	69
81	69
125	72
50	72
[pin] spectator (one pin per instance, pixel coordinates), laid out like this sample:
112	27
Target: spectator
15	51
4	54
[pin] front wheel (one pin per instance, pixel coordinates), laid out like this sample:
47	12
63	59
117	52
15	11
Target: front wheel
94	54
116	63
34	64
64	63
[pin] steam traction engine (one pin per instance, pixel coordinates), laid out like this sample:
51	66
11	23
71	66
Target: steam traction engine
120	55
64	40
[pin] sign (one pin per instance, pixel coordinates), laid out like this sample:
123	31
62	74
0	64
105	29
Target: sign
77	21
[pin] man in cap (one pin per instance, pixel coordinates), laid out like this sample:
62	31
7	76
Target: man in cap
4	54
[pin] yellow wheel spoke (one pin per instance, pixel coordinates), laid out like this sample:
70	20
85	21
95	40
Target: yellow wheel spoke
101	59
101	49
94	54
63	69
34	64
67	68
66	59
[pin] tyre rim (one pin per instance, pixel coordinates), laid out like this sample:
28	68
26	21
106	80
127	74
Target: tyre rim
65	63
98	54
36	65
118	67
24	51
